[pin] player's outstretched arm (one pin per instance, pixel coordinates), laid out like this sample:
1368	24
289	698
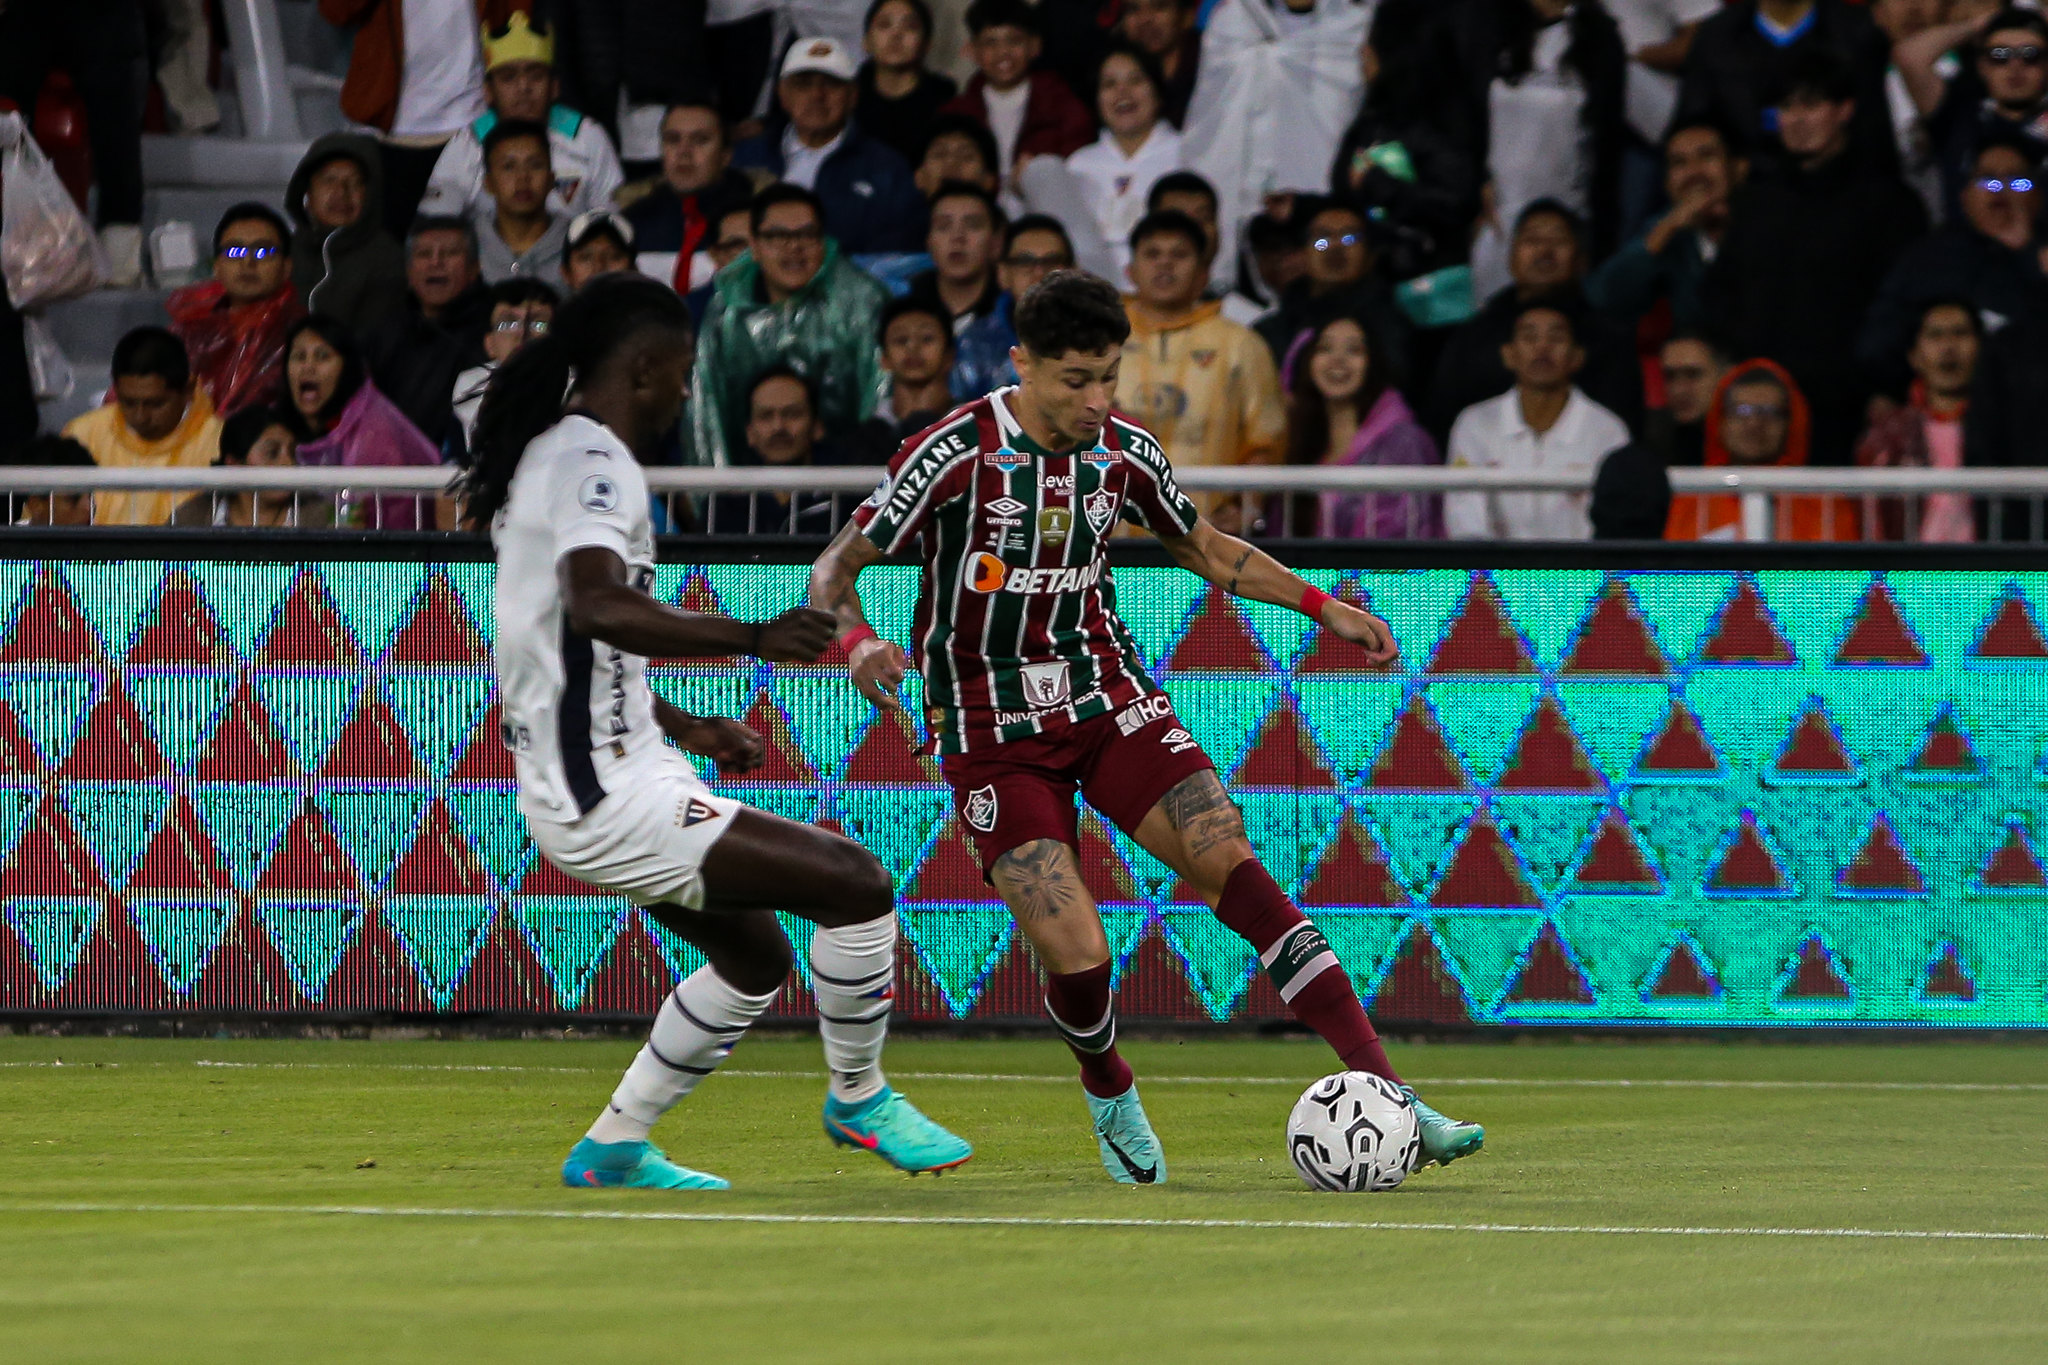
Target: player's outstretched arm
1247	571
734	747
877	666
601	603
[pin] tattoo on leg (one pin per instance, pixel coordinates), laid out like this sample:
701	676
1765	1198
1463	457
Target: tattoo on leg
1040	880
1204	814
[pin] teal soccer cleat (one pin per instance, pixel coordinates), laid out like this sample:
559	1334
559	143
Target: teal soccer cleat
891	1127
1444	1140
631	1165
1130	1149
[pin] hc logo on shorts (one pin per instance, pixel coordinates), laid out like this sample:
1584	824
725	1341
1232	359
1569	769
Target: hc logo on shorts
980	809
1142	713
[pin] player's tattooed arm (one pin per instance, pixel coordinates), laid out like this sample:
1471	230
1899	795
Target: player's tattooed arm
601	603
877	666
1040	880
1244	570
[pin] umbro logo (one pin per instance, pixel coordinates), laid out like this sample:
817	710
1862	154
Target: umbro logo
1006	507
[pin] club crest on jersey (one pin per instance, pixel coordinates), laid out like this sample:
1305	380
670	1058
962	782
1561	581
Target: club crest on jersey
599	493
1005	456
695	812
1053	525
1100	507
980	809
1046	684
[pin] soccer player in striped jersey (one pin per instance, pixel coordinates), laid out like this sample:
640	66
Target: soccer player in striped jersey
607	794
1035	692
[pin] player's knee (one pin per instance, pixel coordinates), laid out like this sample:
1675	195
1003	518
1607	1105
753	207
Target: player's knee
868	892
760	966
1212	870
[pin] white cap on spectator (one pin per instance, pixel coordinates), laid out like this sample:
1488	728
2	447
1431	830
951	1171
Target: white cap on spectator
584	226
826	56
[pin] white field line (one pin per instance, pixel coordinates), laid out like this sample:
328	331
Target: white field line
1002	1221
1536	1083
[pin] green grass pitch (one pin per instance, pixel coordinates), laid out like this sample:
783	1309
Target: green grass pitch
166	1201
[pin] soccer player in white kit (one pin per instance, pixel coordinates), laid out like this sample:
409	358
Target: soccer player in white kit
603	782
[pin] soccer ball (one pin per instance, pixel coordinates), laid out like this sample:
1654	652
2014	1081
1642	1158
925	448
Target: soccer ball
1353	1131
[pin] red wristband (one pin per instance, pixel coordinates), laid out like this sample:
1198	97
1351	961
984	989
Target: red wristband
855	636
1312	600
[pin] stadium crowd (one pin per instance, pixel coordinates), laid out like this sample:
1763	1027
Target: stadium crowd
1601	236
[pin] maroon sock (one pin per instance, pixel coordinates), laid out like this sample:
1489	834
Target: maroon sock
1306	973
1085	1015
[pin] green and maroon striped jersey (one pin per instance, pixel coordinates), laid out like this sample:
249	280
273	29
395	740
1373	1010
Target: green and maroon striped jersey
1017	631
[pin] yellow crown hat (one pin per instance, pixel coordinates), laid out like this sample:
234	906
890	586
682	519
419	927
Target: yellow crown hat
518	43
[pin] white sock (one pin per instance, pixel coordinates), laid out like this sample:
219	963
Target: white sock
853	976
695	1030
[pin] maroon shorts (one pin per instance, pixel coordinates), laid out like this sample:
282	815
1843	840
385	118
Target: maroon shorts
1011	794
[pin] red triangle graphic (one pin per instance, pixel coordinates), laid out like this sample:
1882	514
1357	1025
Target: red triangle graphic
1816	976
1946	979
245	746
543	878
1681	747
1353	871
2015	866
1616	859
374	973
505	974
114	745
1814	748
951	871
181	630
1882	865
1615	642
785	761
372	746
246	971
182	856
1686	976
633	978
1284	755
50	859
1549	757
18	756
1746	632
440	861
440	633
1549	976
1485	872
1419	988
309	860
1881	635
50	629
1748	864
1014	987
309	632
1154	984
1103	870
1481	638
1333	653
485	758
1218	641
1946	750
2012	633
697	596
885	754
1417	758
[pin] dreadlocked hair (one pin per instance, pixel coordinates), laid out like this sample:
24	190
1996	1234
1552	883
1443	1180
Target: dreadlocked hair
526	392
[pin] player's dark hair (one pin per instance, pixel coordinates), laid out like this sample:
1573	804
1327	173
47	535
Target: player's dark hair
984	15
442	222
1179	182
1552	208
917	7
974	130
240	433
782	192
1961	305
1071	310
249	211
1147	64
915	305
1820	73
1701	123
1037	222
152	350
1557	303
967	189
509	130
1170	222
353	373
525	395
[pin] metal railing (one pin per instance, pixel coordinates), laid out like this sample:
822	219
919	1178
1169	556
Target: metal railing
807	500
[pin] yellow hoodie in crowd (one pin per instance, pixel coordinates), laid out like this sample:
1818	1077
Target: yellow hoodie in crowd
1205	386
114	444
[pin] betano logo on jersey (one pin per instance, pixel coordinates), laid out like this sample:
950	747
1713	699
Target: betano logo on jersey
986	573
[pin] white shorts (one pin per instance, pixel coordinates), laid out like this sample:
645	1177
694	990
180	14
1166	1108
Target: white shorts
648	838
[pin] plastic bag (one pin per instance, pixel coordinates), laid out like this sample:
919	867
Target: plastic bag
48	252
49	369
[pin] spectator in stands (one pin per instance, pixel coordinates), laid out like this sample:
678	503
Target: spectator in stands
698	187
868	191
782	430
233	325
1030	113
1743	60
416	76
966	238
53	509
600	242
1927	433
1631	495
796	300
339	418
1546	260
1544	423
1668	262
959	149
1166	32
1999	91
1901	21
520	86
2006	424
899	95
519	237
1987	258
1204	385
1808	244
256	438
1759	418
917	355
1137	146
415	357
160	419
1692	366
1341	410
1340	281
1033	247
732	236
521	310
1657	35
343	262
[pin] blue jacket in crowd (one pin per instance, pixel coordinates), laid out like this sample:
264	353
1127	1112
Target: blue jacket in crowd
871	199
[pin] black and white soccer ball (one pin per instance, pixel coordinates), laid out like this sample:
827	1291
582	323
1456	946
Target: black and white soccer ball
1353	1131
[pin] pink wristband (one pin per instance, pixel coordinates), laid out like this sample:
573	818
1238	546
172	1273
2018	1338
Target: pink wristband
1312	600
855	636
